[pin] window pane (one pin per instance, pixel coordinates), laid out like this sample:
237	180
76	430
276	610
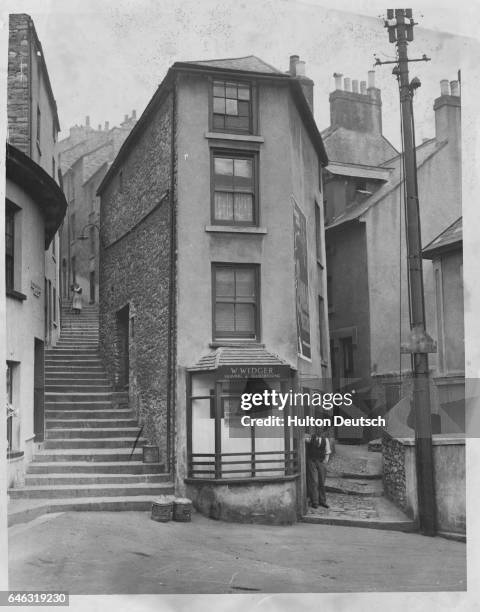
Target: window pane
231	107
245	318
225	318
244	109
245	282
237	123
219	122
243	92
219	105
223	168
223	206
231	90
224	282
219	89
243	169
243	208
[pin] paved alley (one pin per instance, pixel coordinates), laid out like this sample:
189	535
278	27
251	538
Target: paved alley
81	552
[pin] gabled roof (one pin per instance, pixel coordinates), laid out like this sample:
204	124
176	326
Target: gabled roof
450	239
424	152
249	63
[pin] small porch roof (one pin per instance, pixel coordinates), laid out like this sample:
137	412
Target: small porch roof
237	356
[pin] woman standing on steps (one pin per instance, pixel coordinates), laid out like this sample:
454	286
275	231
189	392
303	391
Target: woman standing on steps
77	302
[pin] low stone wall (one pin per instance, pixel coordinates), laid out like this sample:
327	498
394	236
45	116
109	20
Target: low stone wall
16	471
400	479
394	479
251	501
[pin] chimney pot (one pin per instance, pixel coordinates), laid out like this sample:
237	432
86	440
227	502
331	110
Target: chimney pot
300	68
99	127
371	78
134	114
293	63
444	87
346	84
363	87
454	90
107	126
338	80
87	121
355	86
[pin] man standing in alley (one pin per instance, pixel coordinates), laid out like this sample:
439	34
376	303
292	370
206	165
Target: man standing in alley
317	455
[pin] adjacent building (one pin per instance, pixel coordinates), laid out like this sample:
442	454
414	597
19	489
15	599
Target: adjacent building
84	157
34	208
213	276
365	235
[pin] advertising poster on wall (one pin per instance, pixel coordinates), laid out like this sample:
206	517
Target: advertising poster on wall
301	281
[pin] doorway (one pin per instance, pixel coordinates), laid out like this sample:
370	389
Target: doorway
123	336
39	391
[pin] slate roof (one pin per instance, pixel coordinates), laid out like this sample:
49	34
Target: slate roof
450	238
249	63
352	147
424	152
237	356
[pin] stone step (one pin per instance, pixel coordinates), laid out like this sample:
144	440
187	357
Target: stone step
76	369
93	454
73	356
87	490
73	397
69	378
22	511
86	478
89	424
76	387
354	486
68	444
57	433
98	467
89	413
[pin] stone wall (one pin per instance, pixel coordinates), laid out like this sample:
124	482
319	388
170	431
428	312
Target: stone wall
394	478
135	270
19	82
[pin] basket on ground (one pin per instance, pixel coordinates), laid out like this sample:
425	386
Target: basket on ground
162	509
182	510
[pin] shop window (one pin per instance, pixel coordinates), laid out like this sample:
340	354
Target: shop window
220	447
234	192
232	107
236	301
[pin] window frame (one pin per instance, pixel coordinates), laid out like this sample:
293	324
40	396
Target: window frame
253	128
240	154
236	335
10	256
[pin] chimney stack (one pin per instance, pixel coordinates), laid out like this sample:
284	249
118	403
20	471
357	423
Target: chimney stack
134	114
447	113
356	110
87	121
338	80
297	70
107	126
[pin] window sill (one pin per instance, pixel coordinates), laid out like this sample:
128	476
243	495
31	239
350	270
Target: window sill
234	137
16	295
236	343
236	229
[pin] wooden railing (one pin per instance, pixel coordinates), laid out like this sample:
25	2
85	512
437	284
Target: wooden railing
245	465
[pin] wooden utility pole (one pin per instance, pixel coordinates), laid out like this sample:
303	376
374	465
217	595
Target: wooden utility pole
400	29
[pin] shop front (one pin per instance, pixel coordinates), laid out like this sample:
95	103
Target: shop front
243	462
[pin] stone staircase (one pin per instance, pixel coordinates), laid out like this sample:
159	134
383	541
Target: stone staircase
87	461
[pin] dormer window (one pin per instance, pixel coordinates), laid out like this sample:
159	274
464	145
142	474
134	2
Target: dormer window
232	107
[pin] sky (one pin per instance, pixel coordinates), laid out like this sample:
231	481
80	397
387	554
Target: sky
107	58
